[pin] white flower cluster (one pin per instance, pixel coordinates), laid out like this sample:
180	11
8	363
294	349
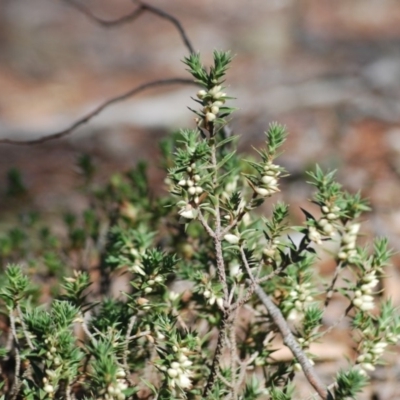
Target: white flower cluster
330	212
114	390
363	298
179	372
298	297
49	382
314	235
212	298
268	184
370	355
326	226
270	251
187	211
348	242
216	99
192	184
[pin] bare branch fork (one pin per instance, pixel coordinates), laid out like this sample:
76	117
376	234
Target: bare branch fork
142	7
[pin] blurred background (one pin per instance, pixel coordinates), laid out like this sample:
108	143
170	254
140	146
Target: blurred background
329	71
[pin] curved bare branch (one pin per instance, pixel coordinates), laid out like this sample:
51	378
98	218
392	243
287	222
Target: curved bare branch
98	110
142	7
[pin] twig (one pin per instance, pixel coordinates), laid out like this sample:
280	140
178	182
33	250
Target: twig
339	320
174	21
126	343
15	387
207	227
86	330
287	336
98	110
106	23
329	292
290	341
24	329
132	16
217	355
138	335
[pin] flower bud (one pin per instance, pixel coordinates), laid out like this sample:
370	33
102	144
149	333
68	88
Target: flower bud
232	239
210	117
263	192
214	109
269	180
192	190
48	388
172	373
201	94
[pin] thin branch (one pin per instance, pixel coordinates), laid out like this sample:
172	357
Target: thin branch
174	21
16	384
87	331
330	291
217	355
98	110
134	15
106	23
339	320
207	227
138	335
132	322
287	336
24	329
290	341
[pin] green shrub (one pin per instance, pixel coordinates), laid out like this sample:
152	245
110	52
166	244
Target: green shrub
197	261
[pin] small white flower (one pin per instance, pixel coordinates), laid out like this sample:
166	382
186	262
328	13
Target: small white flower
354	228
232	239
214	109
263	192
192	190
182	182
188	212
173	295
219	95
220	302
314	235
358	302
184	381
328	229
210	117
368	367
201	94
214	90
172	372
269	180
367	306
136	268
48	388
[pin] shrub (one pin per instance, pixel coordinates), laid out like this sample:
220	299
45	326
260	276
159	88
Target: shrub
212	284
